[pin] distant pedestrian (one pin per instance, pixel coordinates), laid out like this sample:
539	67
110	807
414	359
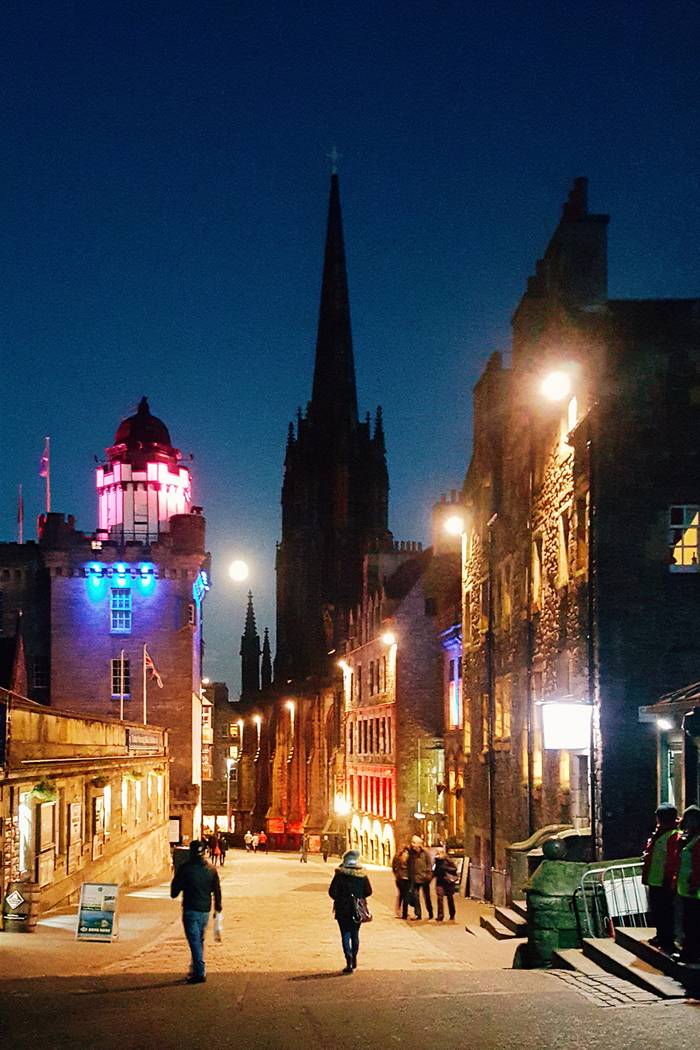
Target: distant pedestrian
420	873
325	848
262	842
399	866
659	873
348	886
248	840
689	884
223	847
446	879
254	841
304	849
198	882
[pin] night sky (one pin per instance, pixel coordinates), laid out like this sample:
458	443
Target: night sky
165	190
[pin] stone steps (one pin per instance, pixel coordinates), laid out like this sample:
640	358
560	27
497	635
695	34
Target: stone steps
520	907
621	962
491	924
574	959
512	920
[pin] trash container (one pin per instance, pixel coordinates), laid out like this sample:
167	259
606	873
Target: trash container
20	908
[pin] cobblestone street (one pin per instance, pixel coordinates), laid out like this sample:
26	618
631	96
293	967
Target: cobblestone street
275	982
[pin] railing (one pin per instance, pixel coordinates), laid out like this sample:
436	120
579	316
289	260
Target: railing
613	896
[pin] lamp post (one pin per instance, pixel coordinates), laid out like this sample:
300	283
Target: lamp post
229	767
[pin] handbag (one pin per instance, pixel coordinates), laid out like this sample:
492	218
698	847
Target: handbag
361	911
218	927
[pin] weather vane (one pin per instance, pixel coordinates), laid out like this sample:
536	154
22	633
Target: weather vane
334	157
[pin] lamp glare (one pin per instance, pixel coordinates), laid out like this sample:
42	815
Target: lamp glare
556	386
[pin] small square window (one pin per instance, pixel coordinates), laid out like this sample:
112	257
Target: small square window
120	610
684	522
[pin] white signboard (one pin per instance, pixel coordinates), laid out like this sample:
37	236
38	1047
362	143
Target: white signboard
97	912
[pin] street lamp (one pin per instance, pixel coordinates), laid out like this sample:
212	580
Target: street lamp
454	525
229	766
238	570
556	385
389	638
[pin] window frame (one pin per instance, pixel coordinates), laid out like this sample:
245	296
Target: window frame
120	609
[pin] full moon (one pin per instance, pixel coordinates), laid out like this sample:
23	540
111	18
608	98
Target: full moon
238	570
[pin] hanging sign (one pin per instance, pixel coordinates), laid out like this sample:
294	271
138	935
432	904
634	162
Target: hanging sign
97	912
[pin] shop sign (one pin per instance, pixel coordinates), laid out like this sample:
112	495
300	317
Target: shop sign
97	912
14	899
141	740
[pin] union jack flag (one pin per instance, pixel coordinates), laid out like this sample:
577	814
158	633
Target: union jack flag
151	667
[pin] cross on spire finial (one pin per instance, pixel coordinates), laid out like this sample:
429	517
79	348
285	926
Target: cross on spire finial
334	157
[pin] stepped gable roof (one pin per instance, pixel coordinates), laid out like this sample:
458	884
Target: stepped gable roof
142	428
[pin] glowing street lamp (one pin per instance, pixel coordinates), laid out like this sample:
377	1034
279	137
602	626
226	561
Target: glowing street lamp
389	638
556	386
341	805
238	570
454	525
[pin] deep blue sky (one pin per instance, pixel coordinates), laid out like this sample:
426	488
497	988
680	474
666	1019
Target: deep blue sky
165	189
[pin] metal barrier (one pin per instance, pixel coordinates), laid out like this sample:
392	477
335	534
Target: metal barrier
613	896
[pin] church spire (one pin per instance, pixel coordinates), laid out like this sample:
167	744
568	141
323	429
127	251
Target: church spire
250	653
266	669
334	396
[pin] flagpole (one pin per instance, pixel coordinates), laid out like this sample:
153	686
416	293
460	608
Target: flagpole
121	685
20	515
145	688
48	475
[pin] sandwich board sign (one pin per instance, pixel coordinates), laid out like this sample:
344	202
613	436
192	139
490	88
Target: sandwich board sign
97	912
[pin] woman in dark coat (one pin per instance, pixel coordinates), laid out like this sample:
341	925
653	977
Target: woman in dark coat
446	878
349	884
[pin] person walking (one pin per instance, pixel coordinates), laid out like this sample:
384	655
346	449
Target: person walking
399	866
223	846
198	882
254	841
659	873
262	841
688	885
420	873
304	849
348	885
248	840
446	878
325	848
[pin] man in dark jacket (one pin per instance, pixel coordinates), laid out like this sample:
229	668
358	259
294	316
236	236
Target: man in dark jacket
197	881
420	873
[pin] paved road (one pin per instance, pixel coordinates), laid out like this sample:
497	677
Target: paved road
275	983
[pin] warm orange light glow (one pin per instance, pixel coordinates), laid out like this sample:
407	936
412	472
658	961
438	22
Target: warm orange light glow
389	638
454	525
556	386
343	665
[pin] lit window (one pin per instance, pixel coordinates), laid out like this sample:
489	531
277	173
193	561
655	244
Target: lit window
192	614
120	610
120	671
683	537
454	697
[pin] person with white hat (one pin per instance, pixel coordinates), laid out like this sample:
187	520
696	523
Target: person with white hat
348	886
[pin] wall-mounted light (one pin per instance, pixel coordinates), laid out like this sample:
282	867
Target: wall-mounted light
454	525
664	724
566	726
389	638
556	385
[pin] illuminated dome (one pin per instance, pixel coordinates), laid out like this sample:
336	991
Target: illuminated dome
142	428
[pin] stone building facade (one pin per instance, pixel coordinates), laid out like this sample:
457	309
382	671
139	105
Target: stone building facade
393	677
579	554
82	799
112	621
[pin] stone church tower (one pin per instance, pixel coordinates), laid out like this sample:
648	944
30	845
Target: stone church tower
335	489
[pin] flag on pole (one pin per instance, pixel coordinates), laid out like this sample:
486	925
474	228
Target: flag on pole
44	461
151	668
